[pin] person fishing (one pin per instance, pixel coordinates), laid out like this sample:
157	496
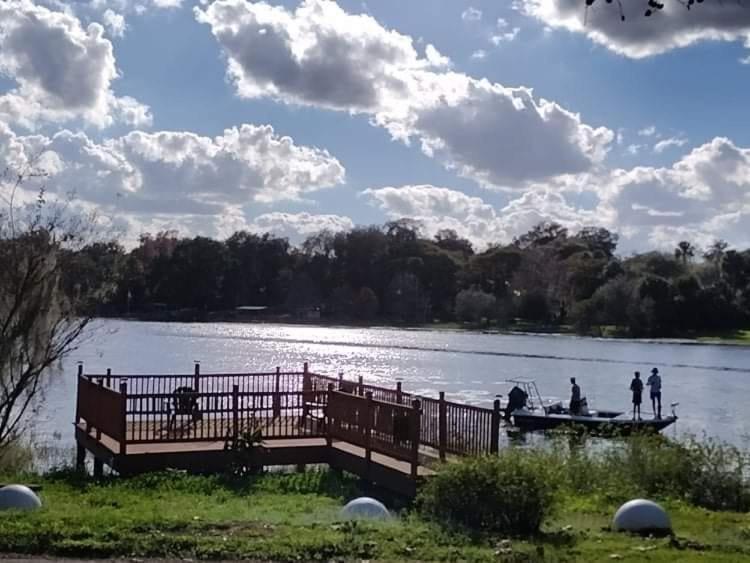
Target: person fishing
575	397
636	386
654	383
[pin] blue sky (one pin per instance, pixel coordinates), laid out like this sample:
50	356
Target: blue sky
639	126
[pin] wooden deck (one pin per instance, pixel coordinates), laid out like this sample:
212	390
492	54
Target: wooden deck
392	439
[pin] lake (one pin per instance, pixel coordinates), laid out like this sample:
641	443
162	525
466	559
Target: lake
711	383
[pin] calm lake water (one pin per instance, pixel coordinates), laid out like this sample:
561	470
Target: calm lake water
711	383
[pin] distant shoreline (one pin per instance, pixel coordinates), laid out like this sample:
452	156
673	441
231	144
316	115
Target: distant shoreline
739	339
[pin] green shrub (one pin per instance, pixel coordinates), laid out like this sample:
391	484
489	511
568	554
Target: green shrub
511	493
705	472
719	478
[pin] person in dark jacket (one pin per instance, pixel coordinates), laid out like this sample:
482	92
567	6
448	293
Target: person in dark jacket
575	397
516	400
636	386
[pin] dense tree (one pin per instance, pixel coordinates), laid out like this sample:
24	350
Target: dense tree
473	305
392	272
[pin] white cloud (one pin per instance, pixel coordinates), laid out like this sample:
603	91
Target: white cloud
114	22
649	131
298	226
706	193
664	144
505	37
479	54
672	27
505	32
702	196
322	56
471	217
471	14
176	176
61	70
634	148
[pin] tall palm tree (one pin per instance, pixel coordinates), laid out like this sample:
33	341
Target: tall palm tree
684	251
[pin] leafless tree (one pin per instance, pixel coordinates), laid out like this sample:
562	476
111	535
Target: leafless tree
39	322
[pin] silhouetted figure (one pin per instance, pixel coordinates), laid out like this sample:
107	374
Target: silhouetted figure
575	397
636	386
516	400
654	383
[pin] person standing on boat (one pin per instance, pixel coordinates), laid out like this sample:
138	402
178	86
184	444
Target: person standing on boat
654	383
575	397
636	386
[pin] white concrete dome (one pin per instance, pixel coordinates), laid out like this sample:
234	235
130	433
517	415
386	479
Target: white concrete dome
365	508
18	497
641	515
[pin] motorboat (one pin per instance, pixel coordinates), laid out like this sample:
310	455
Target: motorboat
529	412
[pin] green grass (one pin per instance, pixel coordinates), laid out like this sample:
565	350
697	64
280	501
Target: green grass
295	517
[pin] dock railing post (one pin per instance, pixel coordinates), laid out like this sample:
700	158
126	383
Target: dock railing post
416	406
235	410
442	426
328	424
124	415
368	430
197	377
341	381
495	433
276	393
99	430
399	393
360	386
109	378
80	368
78	395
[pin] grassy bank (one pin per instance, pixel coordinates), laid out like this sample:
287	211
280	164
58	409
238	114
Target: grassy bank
295	517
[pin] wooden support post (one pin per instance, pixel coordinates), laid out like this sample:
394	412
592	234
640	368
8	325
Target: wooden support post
197	377
124	414
399	393
276	400
80	368
98	467
80	458
495	431
235	410
98	430
415	435
305	368
109	378
442	426
360	386
327	415
368	430
341	380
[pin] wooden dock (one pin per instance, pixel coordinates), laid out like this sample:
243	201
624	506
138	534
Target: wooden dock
139	423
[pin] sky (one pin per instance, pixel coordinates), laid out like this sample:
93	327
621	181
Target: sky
290	117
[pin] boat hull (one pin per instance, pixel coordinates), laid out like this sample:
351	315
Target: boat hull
530	422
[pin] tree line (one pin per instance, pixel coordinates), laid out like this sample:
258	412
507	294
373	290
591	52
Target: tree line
548	276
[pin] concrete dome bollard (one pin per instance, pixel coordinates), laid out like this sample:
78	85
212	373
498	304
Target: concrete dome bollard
365	508
18	497
642	516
